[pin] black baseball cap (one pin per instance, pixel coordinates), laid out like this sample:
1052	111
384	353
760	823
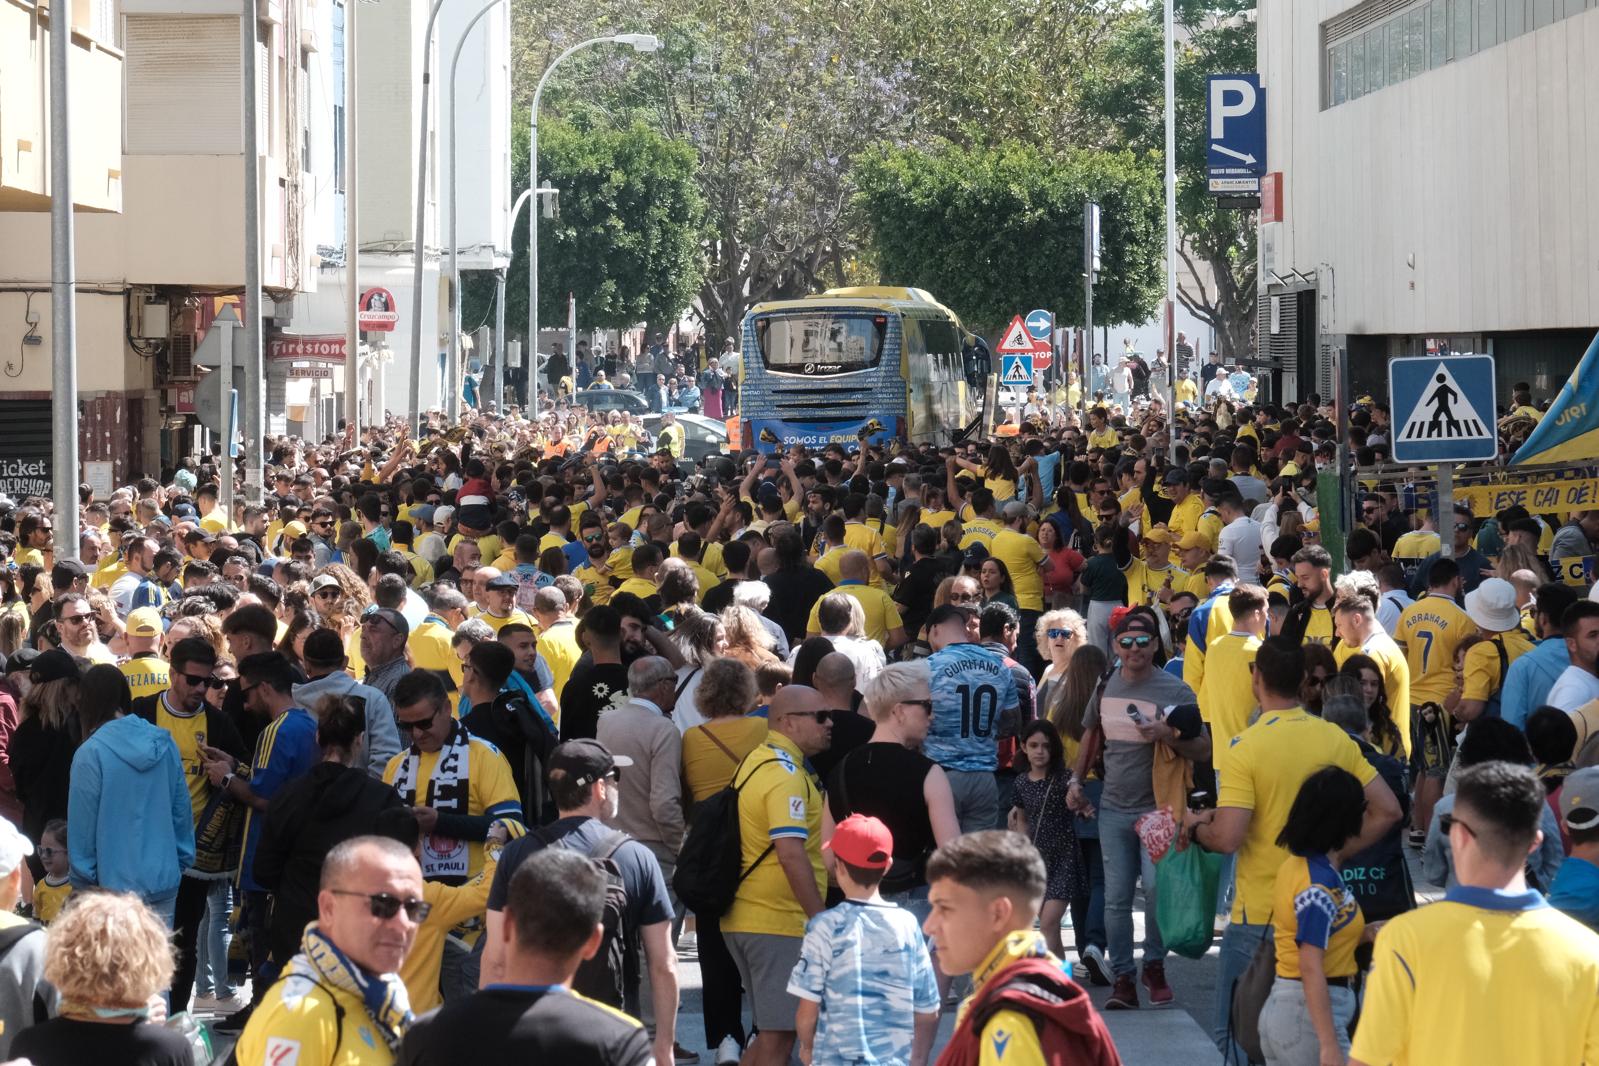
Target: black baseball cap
943	614
584	762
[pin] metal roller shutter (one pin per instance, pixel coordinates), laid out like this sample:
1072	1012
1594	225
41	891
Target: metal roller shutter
182	83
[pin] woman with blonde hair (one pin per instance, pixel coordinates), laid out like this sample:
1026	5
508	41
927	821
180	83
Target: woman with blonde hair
747	640
1514	557
204	626
1059	635
108	956
701	637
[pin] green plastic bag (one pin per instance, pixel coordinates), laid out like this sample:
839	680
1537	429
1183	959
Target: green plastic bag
1185	899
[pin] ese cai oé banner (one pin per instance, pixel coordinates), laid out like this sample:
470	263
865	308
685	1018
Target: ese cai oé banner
1542	497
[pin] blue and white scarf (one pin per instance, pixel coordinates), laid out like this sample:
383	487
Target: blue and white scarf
383	995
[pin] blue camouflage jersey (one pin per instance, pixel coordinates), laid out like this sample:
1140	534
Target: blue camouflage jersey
972	687
867	965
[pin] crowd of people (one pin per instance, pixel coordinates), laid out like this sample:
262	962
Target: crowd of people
456	743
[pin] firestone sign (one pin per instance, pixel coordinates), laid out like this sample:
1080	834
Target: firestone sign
328	349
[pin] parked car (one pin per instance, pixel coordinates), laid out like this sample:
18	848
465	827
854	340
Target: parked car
701	436
603	400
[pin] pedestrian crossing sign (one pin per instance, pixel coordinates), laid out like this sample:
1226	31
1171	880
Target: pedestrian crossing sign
1443	409
1016	369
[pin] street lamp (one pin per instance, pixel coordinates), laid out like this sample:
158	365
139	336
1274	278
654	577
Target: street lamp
639	42
1171	233
452	400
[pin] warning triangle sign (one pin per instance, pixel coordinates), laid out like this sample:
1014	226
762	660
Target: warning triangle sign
1017	373
1017	341
1443	413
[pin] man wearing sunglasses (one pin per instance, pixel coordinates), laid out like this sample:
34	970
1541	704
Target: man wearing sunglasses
195	722
585	782
780	827
341	999
1140	711
285	749
1539	967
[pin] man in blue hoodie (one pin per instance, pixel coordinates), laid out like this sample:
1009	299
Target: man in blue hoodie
130	827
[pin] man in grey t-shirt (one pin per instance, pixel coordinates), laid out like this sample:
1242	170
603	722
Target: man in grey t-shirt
1139	707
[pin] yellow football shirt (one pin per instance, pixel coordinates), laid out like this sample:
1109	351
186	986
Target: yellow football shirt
491	790
1261	771
1481	978
1483	679
1226	696
1395	676
882	614
497	622
49	898
639	587
778	799
558	644
1430	630
187	731
1022	556
147	675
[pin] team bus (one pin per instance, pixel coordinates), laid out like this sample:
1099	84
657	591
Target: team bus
883	362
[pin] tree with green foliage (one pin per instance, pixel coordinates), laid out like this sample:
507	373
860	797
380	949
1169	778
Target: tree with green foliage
993	231
1127	89
627	241
779	101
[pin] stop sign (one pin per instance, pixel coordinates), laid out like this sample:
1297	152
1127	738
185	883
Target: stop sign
1042	355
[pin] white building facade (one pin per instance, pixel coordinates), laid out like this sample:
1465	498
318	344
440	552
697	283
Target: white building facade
1434	160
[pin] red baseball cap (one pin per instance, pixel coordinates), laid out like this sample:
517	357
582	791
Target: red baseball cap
863	841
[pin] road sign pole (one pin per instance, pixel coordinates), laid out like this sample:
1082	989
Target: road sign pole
1444	515
1090	262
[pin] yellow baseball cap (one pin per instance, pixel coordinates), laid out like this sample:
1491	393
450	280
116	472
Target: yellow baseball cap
1159	534
145	622
1193	540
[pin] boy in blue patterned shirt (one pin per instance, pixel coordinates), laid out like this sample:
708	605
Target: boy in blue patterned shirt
864	971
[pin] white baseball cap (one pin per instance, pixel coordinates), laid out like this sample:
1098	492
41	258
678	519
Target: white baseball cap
14	847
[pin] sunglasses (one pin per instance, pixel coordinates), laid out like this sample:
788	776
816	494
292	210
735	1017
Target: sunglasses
822	717
964	597
926	705
386	906
1141	640
1316	679
1057	634
329	593
76	617
46	853
200	680
419	723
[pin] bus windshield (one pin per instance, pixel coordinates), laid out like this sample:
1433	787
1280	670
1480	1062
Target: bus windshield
821	343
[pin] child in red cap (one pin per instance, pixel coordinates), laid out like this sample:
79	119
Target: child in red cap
864	973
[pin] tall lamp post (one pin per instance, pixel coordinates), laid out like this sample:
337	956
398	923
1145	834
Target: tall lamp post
453	367
639	42
1171	234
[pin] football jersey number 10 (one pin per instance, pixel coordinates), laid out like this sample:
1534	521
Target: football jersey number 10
978	706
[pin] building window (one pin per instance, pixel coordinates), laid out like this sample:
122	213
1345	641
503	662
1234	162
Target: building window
1438	31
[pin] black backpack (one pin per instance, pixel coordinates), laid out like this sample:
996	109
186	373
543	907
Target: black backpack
709	866
602	977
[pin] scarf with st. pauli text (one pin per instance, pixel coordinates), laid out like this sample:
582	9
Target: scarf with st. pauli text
446	792
383	995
